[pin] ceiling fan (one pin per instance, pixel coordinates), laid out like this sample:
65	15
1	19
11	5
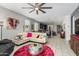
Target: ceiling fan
37	7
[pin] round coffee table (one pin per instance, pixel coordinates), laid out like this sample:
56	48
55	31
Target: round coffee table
23	51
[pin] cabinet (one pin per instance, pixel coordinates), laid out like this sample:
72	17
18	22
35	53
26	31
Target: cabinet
74	44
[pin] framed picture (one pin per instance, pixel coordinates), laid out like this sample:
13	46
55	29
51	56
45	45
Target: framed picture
12	23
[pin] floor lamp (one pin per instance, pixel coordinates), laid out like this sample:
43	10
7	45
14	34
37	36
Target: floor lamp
1	25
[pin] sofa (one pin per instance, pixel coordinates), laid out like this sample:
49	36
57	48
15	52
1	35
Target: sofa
6	47
30	37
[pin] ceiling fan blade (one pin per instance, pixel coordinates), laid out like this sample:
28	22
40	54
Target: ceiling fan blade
46	7
36	11
31	10
36	4
31	4
42	11
27	7
42	4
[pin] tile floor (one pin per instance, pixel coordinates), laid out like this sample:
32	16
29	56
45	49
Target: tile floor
60	46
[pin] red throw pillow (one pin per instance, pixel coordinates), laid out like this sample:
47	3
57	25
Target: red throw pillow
37	36
29	34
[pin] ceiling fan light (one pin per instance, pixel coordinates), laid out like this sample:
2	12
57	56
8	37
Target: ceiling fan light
36	8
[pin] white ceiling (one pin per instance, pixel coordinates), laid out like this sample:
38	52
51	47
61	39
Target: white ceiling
54	15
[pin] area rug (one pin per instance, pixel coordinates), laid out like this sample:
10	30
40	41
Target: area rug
23	51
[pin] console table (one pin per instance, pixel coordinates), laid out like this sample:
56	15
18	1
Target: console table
74	43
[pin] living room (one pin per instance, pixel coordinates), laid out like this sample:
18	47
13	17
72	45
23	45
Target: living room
21	26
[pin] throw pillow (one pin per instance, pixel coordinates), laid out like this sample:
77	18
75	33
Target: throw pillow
37	36
29	34
19	37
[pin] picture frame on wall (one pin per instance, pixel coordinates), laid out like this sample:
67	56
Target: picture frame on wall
12	23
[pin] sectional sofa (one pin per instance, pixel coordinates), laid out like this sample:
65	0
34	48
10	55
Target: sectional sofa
30	37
